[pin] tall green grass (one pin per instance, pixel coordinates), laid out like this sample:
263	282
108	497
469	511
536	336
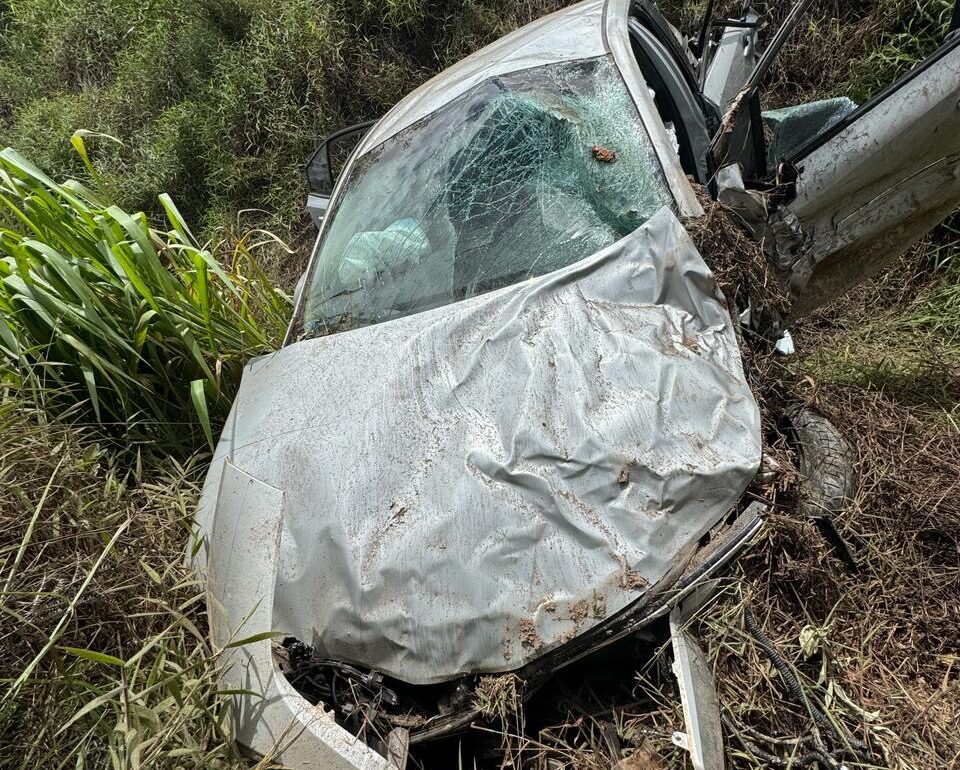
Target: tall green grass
912	29
144	327
220	102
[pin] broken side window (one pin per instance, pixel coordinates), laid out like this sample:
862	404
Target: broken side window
791	128
522	175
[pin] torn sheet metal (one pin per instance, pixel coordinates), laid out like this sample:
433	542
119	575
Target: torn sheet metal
471	486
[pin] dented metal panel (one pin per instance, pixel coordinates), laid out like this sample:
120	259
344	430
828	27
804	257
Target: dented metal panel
269	716
877	184
469	487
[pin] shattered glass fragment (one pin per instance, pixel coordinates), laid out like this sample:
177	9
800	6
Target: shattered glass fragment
793	127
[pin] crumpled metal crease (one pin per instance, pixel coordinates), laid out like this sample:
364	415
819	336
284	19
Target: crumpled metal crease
469	487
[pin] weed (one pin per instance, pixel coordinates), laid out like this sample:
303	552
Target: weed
106	661
139	324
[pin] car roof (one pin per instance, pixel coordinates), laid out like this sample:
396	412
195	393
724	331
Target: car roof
572	33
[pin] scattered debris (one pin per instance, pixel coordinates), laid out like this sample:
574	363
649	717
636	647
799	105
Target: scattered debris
603	154
631	579
529	636
599	606
785	189
644	757
496	697
358	697
741	269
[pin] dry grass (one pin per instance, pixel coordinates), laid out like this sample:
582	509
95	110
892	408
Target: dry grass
105	659
741	270
875	647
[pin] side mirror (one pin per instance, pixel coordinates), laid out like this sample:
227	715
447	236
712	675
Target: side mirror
320	166
320	175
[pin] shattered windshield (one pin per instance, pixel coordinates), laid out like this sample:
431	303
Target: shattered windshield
522	175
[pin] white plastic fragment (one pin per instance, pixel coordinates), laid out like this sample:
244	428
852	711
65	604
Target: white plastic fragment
785	345
701	710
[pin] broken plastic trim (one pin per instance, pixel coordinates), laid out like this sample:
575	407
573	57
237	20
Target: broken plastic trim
703	738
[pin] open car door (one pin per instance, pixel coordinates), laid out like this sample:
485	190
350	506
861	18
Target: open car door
871	185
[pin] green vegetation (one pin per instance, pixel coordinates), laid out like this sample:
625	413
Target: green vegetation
131	322
219	102
858	47
899	340
107	319
912	30
106	663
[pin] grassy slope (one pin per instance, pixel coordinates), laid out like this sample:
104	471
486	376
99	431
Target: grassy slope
218	103
92	560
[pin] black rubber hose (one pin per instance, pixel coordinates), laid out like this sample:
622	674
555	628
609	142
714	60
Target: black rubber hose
803	760
793	684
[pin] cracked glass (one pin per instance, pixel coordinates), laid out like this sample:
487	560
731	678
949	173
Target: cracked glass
523	174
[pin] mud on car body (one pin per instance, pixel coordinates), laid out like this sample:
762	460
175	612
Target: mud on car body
510	425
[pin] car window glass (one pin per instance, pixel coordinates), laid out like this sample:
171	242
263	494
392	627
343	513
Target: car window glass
790	128
522	175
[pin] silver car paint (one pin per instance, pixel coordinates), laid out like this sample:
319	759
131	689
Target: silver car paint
275	721
467	488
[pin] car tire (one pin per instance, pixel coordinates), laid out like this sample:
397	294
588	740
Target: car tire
827	481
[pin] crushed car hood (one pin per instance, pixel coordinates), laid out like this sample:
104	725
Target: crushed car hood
468	488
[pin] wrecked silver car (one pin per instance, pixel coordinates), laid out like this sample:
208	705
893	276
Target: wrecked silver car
510	424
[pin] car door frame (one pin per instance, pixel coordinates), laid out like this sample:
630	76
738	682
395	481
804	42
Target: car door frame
856	203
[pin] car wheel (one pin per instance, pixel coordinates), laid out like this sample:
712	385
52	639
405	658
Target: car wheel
827	481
